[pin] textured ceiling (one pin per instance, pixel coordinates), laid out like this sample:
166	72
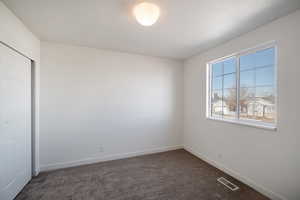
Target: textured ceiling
186	27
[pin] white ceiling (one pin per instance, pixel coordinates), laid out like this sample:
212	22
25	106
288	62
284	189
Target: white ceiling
186	27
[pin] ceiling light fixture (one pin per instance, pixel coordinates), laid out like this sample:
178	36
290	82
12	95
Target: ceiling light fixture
146	13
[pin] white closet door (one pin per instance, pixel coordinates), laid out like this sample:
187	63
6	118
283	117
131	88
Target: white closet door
15	122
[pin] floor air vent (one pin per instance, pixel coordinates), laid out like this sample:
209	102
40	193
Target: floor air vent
228	184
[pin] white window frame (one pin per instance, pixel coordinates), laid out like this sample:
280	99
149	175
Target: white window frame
247	122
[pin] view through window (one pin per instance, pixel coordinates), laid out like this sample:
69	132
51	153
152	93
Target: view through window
243	88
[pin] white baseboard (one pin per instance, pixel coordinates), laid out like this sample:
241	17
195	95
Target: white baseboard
106	158
236	175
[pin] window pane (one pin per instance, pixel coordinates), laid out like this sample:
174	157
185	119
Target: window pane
247	78
265	57
247	93
265	104
217	69
229	104
230	66
217	103
261	108
247	62
230	81
247	109
247	100
265	76
262	92
217	83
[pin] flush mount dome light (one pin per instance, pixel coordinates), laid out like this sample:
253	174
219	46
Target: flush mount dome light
146	13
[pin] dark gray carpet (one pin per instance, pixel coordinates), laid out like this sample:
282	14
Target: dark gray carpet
173	175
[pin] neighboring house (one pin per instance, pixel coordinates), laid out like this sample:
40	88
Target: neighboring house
259	107
220	106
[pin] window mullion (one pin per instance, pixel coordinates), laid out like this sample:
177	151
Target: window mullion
238	87
223	90
210	90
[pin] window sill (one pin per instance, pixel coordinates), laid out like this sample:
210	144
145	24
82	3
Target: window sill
245	123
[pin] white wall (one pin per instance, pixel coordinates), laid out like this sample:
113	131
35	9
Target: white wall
14	34
128	104
268	160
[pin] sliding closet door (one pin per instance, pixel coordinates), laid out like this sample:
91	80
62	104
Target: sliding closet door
15	122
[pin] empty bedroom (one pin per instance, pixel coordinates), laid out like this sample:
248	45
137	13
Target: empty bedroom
149	100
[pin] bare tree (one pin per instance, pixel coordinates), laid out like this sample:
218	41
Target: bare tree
231	98
244	98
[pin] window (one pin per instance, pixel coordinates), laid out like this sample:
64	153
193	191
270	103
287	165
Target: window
242	88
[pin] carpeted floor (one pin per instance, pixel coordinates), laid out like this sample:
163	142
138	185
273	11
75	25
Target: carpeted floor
173	175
